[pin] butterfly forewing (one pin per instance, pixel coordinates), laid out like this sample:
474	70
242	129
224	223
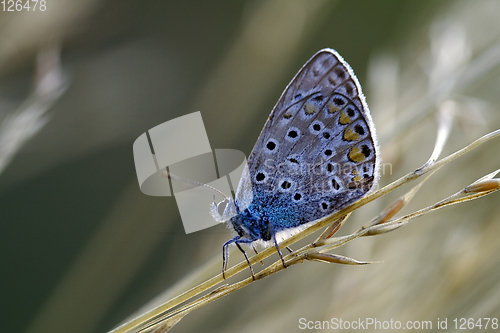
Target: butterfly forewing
317	152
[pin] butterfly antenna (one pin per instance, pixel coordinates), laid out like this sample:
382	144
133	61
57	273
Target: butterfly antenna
192	182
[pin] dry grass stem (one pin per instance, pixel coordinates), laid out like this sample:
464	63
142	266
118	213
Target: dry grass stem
160	319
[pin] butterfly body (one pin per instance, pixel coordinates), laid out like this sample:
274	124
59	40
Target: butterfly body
316	154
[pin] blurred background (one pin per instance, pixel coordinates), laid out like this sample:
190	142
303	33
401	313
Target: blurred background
82	248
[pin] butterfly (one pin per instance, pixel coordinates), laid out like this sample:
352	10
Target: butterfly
316	154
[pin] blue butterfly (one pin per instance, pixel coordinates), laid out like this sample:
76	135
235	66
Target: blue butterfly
316	154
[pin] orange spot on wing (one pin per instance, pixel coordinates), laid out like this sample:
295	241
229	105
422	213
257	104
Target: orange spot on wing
310	108
349	135
356	155
344	118
332	108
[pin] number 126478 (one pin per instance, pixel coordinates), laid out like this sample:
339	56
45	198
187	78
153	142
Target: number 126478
23	5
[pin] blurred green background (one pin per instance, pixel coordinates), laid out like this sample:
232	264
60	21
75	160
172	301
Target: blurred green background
82	248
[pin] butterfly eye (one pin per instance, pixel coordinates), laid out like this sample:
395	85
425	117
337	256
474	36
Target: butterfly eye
324	205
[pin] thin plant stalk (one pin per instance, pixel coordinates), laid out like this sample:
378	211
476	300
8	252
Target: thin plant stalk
160	320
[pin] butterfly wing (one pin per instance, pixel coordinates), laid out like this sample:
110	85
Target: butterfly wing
318	150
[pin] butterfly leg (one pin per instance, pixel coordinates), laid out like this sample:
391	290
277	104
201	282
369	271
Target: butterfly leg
225	253
248	261
271	230
279	251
